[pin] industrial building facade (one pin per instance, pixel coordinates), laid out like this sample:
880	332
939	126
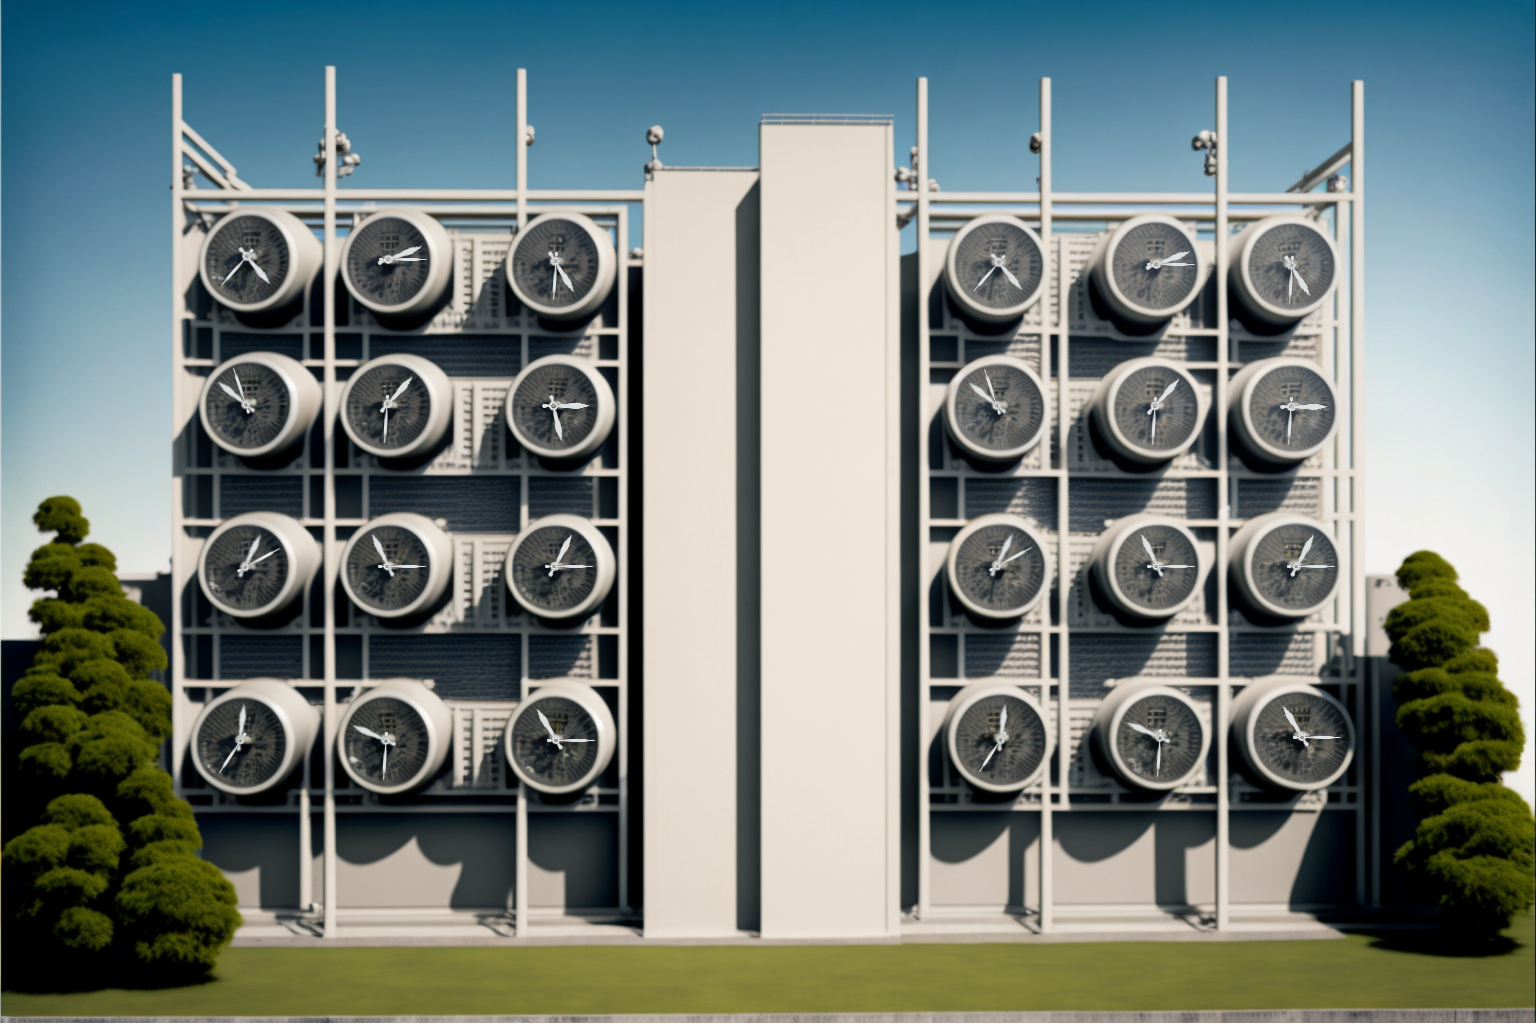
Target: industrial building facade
782	578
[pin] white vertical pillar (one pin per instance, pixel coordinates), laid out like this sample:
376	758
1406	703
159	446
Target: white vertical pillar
830	552
1223	513
1055	276
328	297
924	665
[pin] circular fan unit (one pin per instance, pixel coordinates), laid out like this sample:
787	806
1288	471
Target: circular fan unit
996	409
561	738
997	736
1291	735
1284	566
259	260
1148	567
995	269
1149	411
1147	269
1284	268
259	405
398	263
394	737
1150	737
560	568
1282	410
562	266
255	567
397	407
998	568
560	408
252	737
397	568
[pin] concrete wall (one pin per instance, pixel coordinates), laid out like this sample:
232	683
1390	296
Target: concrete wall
700	661
425	860
1166	859
831	565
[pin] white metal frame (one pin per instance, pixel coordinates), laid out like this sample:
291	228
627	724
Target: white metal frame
511	206
1341	489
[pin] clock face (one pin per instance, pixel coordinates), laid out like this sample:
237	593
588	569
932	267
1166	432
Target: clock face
554	591
1287	257
555	262
246	259
245	568
1001	569
380	269
388	407
1023	749
544	407
402	753
377	589
1279	559
262	743
1141	277
984	251
1172	425
1178	724
1275	408
982	391
1317	760
248	406
1150	590
557	766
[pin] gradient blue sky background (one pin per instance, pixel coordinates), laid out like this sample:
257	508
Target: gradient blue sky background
426	95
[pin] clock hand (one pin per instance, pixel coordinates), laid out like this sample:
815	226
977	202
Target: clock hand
1154	424
1325	737
1290	417
386	421
1011	279
384	767
401	256
564	548
231	393
258	269
553	736
1154	565
369	733
1142	729
1160	399
379	547
991	752
1010	558
392	399
243	257
1167	261
228	759
263	558
563	277
407	567
984	278
997	563
1160	741
1309	407
990	389
255	546
567	739
559	431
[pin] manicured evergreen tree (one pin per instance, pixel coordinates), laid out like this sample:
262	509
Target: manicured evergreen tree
83	894
1475	847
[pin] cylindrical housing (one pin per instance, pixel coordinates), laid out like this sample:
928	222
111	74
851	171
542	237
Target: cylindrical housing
1284	268
984	289
1264	409
537	760
390	284
1122	410
259	405
416	419
993	592
580	245
398	604
1122	568
1123	750
1284	565
279	707
565	434
432	718
1265	737
971	413
280	245
1127	277
970	726
535	584
276	588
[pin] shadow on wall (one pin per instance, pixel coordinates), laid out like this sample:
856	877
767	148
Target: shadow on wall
573	860
1119	857
1293	858
439	860
994	871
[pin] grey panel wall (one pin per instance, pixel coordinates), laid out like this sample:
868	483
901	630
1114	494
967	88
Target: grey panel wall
258	853
424	860
830	546
701	331
1131	857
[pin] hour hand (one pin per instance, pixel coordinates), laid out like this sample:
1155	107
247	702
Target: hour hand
1142	729
1292	719
259	272
1011	279
983	279
369	733
564	278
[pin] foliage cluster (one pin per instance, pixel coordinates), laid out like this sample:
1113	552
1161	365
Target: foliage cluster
1475	847
86	897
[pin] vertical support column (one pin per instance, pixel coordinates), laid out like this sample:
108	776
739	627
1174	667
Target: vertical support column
1224	356
1357	616
1051	326
520	922
522	149
328	298
178	382
621	286
830	652
520	869
924	665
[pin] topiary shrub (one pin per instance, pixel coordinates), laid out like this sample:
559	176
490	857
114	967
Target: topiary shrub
1474	850
77	888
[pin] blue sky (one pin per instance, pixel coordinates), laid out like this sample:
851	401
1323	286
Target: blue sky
426	93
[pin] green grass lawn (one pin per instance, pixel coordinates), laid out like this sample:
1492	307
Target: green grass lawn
1359	971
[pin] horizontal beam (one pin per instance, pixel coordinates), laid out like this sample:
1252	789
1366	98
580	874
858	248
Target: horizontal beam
469	195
